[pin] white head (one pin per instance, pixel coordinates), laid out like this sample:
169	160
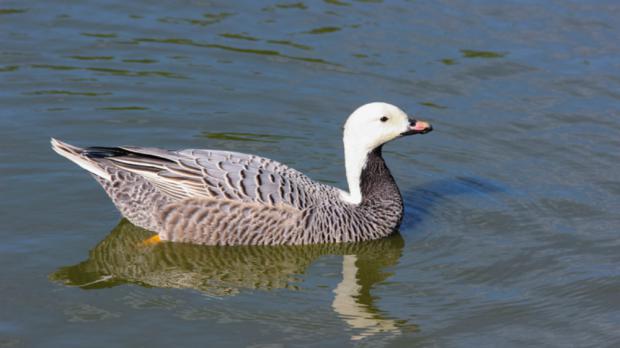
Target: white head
369	127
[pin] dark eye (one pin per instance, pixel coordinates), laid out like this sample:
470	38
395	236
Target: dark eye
383	119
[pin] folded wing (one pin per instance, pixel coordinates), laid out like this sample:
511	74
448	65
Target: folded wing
219	174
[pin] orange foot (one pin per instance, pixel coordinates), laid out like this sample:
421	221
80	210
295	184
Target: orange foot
152	241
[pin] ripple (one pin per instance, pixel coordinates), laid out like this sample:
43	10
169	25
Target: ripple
143	73
421	202
323	30
589	295
294	5
482	54
9	68
72	93
9	11
433	105
337	2
262	52
264	138
101	35
123	108
140	61
239	37
245	50
448	61
92	57
54	67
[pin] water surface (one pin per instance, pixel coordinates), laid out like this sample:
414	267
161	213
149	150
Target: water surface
511	230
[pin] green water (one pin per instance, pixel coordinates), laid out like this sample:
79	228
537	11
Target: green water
511	230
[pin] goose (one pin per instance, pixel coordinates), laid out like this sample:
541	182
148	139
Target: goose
215	197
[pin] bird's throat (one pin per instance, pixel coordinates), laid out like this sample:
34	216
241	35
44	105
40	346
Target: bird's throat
376	181
369	177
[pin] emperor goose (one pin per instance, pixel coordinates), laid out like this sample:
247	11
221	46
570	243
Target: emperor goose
228	198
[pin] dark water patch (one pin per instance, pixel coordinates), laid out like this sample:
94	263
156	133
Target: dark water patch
294	5
72	93
100	35
482	54
92	57
9	68
200	22
336	2
239	37
323	30
9	11
312	60
79	79
218	16
54	67
236	136
433	105
123	108
140	61
128	73
245	50
176	41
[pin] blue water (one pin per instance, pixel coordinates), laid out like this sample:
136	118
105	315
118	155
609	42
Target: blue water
511	230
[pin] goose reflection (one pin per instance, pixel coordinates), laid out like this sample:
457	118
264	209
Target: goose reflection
122	257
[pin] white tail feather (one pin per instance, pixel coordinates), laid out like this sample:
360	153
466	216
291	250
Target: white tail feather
73	154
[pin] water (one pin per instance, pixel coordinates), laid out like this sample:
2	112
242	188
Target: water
511	229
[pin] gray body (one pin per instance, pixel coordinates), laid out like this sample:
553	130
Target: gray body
226	198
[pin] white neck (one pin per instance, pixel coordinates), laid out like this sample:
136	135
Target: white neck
355	158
